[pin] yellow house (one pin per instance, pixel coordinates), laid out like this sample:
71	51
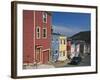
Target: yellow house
62	48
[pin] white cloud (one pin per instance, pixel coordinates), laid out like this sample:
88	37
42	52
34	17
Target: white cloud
69	31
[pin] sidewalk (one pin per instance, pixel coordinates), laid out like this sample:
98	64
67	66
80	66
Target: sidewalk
49	65
44	66
60	63
41	66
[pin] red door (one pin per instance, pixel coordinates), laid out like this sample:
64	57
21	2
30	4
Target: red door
38	55
45	57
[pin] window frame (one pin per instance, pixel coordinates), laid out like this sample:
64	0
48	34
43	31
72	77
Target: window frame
43	33
44	16
38	34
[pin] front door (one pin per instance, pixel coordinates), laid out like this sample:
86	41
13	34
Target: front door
38	55
45	57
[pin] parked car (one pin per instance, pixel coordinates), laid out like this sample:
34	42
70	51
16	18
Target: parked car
75	60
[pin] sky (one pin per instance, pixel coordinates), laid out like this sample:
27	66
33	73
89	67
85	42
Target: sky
68	23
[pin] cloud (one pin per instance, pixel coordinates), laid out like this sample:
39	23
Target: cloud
68	31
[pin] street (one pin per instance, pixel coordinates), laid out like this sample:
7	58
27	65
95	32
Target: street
86	61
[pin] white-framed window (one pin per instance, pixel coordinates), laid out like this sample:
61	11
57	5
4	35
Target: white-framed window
61	41
64	41
44	34
63	53
44	17
38	34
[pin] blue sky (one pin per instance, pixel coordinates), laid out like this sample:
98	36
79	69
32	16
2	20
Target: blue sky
70	23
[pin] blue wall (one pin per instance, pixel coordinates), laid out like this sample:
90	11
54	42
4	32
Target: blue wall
55	46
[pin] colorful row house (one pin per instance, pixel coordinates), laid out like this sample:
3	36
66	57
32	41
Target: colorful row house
79	48
75	49
55	46
59	48
36	37
68	48
62	48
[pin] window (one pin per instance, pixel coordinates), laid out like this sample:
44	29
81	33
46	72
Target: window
38	32
44	17
44	33
60	53
56	39
56	51
63	53
64	41
61	41
38	51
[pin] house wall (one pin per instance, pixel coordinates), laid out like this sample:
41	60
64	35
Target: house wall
55	47
86	48
72	50
28	39
68	48
62	48
44	42
32	19
77	49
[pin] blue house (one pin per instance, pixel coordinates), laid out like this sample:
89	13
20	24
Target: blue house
55	46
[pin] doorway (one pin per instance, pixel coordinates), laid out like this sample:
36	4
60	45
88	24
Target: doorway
38	55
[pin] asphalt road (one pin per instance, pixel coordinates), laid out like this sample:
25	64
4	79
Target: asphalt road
86	61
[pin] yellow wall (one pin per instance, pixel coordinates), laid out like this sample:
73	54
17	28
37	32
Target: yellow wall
62	47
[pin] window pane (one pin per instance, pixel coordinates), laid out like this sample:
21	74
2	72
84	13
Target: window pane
38	32
44	17
64	41
60	41
44	32
63	53
37	29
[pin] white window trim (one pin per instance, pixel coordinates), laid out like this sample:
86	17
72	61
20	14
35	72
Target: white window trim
64	53
43	17
37	33
64	40
60	41
46	33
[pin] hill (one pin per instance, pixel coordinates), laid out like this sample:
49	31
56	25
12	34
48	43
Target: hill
84	35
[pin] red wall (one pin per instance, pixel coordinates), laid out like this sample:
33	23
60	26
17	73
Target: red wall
28	34
68	45
44	42
45	56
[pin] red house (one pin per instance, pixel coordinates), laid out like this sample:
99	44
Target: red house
69	48
36	37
